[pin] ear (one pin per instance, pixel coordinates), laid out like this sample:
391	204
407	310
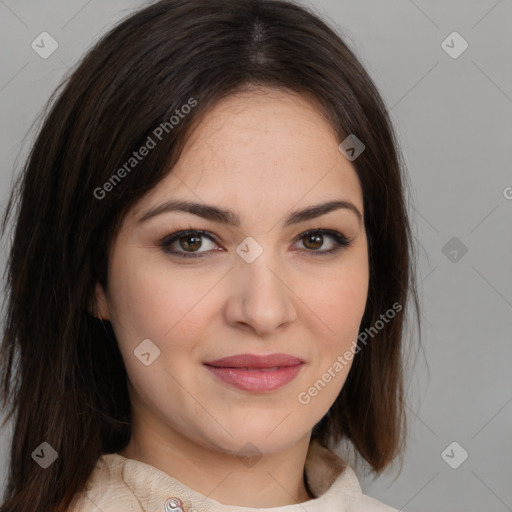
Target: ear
100	305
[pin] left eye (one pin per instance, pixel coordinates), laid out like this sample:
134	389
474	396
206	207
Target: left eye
190	242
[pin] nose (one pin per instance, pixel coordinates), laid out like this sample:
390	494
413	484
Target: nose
261	299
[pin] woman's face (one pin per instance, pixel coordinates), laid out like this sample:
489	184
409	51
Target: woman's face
257	285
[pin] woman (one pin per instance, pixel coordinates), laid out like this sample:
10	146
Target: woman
209	272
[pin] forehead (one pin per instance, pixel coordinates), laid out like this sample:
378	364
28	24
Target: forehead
260	149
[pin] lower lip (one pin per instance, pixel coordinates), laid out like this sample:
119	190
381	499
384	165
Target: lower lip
256	380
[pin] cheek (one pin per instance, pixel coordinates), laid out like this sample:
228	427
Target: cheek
339	302
346	303
151	301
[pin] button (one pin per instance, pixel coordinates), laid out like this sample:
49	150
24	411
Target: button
173	505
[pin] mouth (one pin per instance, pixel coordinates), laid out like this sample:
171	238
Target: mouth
254	373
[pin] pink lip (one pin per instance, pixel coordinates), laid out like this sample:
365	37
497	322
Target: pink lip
255	361
253	373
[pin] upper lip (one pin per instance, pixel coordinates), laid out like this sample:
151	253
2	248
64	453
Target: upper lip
256	361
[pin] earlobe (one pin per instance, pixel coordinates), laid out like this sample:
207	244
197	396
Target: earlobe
100	305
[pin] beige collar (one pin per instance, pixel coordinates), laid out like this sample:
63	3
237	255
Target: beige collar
118	483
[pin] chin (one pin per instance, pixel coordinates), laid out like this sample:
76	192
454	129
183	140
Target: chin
255	442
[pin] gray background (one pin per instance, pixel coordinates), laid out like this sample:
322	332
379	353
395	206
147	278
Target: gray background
453	117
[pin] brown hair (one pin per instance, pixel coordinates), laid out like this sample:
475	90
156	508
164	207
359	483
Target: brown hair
63	377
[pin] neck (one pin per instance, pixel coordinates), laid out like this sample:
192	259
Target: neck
275	480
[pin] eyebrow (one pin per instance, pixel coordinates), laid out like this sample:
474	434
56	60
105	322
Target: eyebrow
222	216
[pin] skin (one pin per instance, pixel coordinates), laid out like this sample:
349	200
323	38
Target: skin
262	154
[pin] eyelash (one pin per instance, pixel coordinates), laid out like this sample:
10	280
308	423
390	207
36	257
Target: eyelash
341	242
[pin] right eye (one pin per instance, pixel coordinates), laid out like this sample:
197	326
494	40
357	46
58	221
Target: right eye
188	239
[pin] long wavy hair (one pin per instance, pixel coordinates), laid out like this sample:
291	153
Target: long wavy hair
63	380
